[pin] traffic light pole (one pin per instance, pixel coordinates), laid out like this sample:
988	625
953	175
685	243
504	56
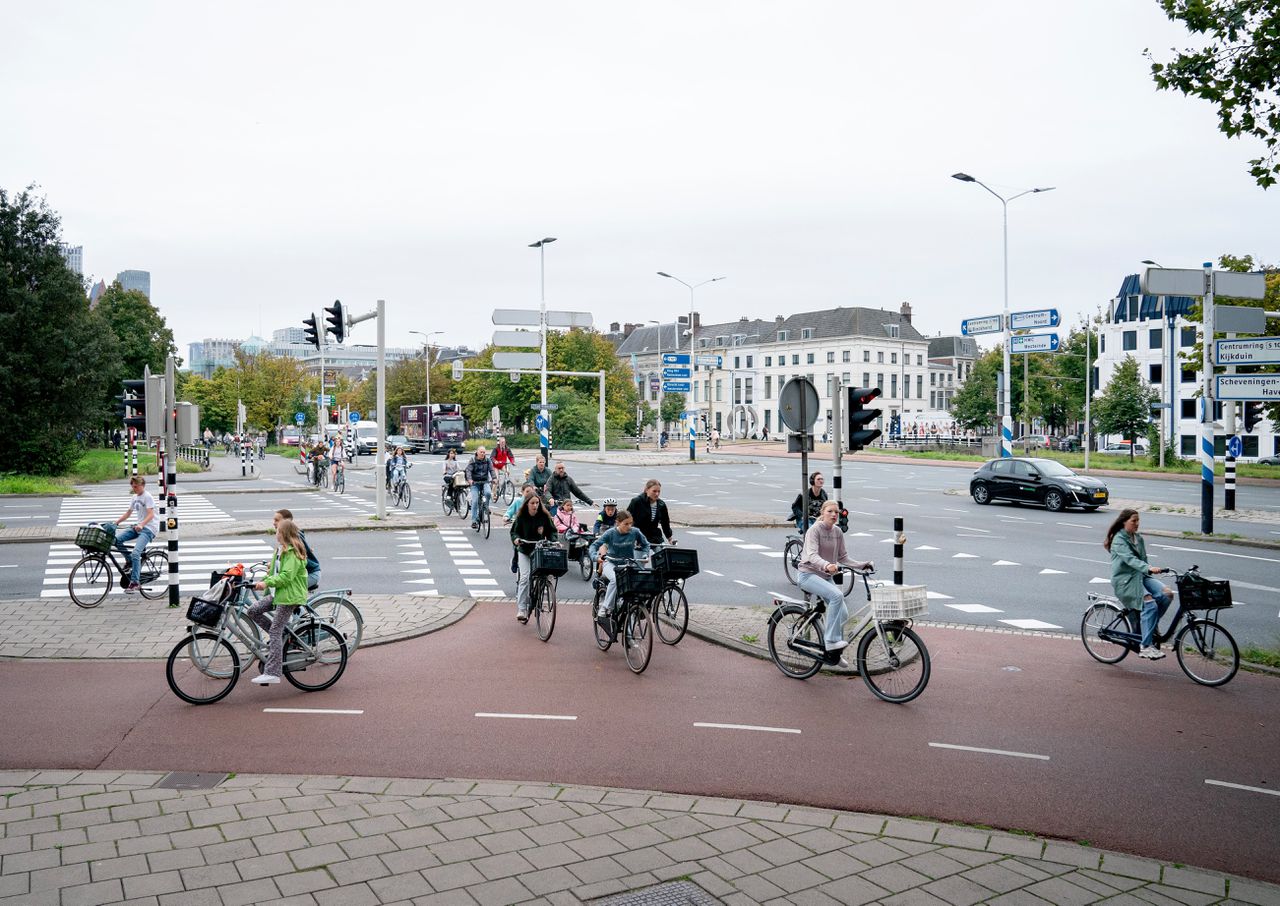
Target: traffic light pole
837	445
1229	467
1206	413
171	478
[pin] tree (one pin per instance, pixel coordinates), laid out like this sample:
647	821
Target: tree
57	357
673	406
143	337
974	406
1125	405
1237	71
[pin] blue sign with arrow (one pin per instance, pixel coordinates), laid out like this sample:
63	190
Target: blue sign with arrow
675	386
1034	342
299	417
675	374
1235	447
354	416
1030	320
971	327
675	358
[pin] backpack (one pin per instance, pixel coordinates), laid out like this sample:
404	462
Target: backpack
313	563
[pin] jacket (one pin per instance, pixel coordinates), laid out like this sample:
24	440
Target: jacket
560	489
527	530
502	457
633	545
287	578
1128	568
815	504
565	522
540	477
480	471
604	523
653	529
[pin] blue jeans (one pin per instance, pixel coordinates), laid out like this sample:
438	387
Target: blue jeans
145	537
833	595
476	490
1154	609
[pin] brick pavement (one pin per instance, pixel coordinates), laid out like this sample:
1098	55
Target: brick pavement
95	837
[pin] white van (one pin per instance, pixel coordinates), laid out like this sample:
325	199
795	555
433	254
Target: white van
366	438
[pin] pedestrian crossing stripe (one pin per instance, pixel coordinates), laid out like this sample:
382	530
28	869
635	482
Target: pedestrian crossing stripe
196	559
191	508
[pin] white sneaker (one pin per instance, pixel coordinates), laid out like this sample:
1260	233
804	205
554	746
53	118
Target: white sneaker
837	646
265	679
1151	654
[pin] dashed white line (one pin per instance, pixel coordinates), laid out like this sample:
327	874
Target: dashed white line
357	558
527	716
747	727
943	745
308	711
1241	786
747	584
712	572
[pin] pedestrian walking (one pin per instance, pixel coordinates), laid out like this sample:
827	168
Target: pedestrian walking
287	579
145	524
650	513
1131	577
115	439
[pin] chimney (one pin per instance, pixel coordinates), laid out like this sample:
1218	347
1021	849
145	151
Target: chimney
697	320
906	312
778	319
628	329
614	327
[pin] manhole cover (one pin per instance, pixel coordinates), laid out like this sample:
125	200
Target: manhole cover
182	780
673	893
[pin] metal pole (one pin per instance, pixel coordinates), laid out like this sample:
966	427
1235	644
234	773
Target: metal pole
1006	421
693	372
1229	467
1173	382
320	401
660	423
1206	415
805	436
601	411
170	432
1088	390
545	432
1166	433
837	444
898	539
428	350
379	479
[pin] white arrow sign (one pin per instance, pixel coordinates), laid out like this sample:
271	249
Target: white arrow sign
1028	320
973	326
528	338
1034	342
516	317
569	319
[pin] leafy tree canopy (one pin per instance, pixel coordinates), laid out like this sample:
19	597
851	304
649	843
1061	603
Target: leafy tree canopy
1124	407
142	336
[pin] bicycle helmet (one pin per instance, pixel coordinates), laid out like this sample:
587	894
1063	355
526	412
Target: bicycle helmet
609	501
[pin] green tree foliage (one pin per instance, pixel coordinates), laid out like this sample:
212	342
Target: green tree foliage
1237	70
673	406
974	406
57	358
1124	407
271	387
143	338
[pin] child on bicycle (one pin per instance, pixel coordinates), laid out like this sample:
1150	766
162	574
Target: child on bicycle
566	519
623	541
607	516
1131	577
821	558
287	579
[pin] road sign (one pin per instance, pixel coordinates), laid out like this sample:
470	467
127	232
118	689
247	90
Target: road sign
328	399
675	374
516	317
508	360
1265	387
796	391
1034	342
1239	319
971	327
550	407
1173	281
710	361
569	319
542	422
653	382
676	358
353	416
1260	351
526	338
515	375
1028	320
299	417
457	369
1235	447
675	386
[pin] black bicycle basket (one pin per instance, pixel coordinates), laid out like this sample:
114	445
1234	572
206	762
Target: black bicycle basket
550	561
676	562
638	581
1199	593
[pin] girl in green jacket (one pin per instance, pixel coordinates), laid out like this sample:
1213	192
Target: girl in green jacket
287	579
1131	578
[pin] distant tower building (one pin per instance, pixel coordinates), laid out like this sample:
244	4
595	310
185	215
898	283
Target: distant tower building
140	280
96	293
74	255
289	335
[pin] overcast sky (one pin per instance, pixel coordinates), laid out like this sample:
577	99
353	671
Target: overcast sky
263	159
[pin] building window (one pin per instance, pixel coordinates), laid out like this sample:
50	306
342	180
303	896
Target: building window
768	361
719	391
749	358
806	333
795	358
1102	343
1188	375
919	360
808	358
880	356
866	379
831	358
1188	337
737	362
1187	408
893	358
866	355
845	356
933	399
750	391
1156	373
784	335
720	341
768	386
879	380
844	379
1156	338
737	391
893	386
1188	445
1129	340
933	378
831	385
920	386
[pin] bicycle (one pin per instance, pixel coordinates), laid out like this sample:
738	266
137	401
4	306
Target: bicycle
339	477
454	499
549	563
791	559
638	585
483	521
1206	652
506	487
670	606
892	660
333	606
204	667
400	488
91	579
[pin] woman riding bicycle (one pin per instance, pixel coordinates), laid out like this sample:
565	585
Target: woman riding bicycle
820	559
1131	577
502	455
533	524
623	541
539	476
816	497
449	470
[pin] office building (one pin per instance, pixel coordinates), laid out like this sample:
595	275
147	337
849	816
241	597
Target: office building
74	256
139	280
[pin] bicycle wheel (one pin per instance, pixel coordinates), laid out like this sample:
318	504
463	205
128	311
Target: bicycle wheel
486	520
789	624
463	507
446	502
90	580
340	481
202	668
603	639
408	494
671	613
637	637
1207	653
895	667
791	561
585	565
1103	615
316	650
544	607
154	574
340	613
508	490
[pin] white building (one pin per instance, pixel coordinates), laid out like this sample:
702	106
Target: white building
74	256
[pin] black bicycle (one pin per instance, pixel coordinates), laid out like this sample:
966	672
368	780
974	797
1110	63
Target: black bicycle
638	584
1206	652
670	606
453	499
549	562
94	574
483	518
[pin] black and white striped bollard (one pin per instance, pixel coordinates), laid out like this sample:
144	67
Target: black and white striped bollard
1229	470
899	539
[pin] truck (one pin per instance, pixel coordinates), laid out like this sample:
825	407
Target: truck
435	428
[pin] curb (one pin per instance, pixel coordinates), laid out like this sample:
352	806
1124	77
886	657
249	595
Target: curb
1214	539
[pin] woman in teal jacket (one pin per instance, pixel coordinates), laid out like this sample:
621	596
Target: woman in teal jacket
1131	578
287	579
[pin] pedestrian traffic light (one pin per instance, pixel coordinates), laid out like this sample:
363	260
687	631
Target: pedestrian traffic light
312	331
843	521
134	405
337	321
859	418
1252	415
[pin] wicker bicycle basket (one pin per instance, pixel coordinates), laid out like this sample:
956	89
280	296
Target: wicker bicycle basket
93	538
899	602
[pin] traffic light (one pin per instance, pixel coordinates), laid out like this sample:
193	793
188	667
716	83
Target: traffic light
843	521
1252	415
859	434
312	331
337	321
134	405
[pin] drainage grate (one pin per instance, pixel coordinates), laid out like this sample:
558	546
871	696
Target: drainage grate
182	780
673	893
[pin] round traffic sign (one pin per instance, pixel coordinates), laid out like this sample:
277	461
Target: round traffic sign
798	404
1235	447
354	416
299	417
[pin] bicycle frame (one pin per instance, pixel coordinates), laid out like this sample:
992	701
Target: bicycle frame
232	626
1133	640
817	608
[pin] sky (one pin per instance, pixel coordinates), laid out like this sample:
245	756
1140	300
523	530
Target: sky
264	159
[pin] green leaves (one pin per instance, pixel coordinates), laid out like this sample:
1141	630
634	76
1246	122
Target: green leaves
1124	407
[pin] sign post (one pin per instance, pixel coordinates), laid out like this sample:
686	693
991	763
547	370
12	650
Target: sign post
798	410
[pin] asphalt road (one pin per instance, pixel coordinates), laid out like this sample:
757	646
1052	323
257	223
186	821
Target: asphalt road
1013	732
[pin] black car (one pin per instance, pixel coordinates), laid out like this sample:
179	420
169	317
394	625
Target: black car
1040	481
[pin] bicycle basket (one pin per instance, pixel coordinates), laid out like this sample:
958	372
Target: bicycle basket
550	561
676	562
638	581
206	609
1199	593
899	602
95	538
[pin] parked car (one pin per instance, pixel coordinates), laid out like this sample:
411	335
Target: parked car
366	438
1269	461
1139	449
1068	444
1034	441
1039	481
398	440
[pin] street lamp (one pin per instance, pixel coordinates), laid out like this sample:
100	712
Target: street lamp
1167	434
541	246
1006	427
426	348
692	366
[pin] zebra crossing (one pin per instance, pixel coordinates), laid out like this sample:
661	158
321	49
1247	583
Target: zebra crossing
476	576
198	559
409	550
75	511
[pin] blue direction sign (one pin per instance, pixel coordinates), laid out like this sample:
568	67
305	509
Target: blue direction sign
675	386
354	416
1034	342
299	417
1235	447
971	327
1030	320
711	361
675	358
675	374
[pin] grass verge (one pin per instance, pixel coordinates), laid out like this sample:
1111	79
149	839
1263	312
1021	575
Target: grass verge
95	466
1267	657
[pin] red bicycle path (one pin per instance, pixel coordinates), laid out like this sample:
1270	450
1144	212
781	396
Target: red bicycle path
1129	746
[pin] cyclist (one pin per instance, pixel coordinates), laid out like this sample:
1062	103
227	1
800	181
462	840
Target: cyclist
313	562
525	491
821	558
449	470
480	476
287	579
532	524
607	516
560	486
334	454
502	455
566	520
1131	577
145	525
649	511
816	498
621	541
539	475
397	461
316	459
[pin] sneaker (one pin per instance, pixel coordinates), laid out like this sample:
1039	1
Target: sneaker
837	646
1151	654
473	525
265	679
844	662
130	588
522	617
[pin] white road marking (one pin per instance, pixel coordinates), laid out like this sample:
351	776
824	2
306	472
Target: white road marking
752	547
1052	572
421	570
777	554
1075	525
964	556
712	572
8	566
937	596
747	727
1031	624
708	534
308	711
474	572
357	558
1241	786
1082	559
747	584
1200	550
725	539
30	506
1098	580
527	716
974	608
943	745
926	547
1005	563
953	510
970	529
470	582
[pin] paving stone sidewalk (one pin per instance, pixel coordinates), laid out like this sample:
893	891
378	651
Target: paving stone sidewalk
96	837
